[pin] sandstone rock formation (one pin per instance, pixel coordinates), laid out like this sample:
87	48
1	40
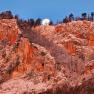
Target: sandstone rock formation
47	59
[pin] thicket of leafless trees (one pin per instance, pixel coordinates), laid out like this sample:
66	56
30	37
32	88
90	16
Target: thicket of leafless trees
24	24
6	15
84	16
32	22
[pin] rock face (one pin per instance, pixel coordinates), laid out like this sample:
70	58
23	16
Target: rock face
20	58
75	39
48	59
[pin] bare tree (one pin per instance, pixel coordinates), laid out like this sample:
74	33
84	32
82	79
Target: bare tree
6	15
31	22
66	19
71	17
38	22
92	16
84	16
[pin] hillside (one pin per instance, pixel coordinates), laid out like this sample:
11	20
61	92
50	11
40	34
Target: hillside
54	59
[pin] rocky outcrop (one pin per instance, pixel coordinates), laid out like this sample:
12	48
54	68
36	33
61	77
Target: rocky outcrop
48	59
76	40
19	58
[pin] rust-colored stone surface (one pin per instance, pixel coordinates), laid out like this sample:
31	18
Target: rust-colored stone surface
55	59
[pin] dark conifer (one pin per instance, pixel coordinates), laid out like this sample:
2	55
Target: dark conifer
84	16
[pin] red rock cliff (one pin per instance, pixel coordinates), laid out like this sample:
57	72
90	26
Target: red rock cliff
59	60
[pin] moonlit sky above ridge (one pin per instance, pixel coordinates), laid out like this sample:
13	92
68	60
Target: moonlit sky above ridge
53	9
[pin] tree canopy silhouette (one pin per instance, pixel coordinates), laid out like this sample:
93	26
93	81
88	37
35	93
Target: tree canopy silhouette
6	15
84	16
